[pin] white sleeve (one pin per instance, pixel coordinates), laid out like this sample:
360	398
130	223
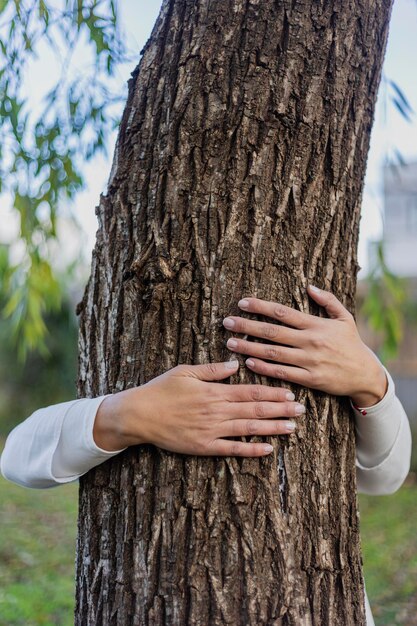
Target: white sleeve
383	445
54	445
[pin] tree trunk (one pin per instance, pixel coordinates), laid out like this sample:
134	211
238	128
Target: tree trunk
238	171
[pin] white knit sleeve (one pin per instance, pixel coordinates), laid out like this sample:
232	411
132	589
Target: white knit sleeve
54	445
383	445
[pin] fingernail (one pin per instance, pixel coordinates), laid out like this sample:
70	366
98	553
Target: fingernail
243	304
250	363
268	448
315	289
299	409
231	365
291	426
228	323
232	343
290	396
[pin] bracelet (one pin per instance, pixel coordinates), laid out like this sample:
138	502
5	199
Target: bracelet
362	411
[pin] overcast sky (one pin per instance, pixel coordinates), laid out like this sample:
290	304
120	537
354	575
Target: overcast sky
390	129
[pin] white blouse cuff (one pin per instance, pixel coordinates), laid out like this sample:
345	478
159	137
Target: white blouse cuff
77	452
383	444
377	428
380	406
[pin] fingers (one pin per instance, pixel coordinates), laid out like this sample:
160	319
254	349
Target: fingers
272	332
261	428
225	447
248	428
292	356
333	306
209	371
284	314
255	393
263	410
297	375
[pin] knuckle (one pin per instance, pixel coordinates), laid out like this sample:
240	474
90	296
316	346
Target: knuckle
252	427
279	311
272	353
211	448
269	332
212	392
256	393
315	361
278	427
259	410
315	379
280	372
241	326
318	342
235	448
212	368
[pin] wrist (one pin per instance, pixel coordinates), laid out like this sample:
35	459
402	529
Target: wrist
112	429
375	388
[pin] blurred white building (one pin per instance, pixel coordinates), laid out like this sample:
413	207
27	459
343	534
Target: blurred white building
400	220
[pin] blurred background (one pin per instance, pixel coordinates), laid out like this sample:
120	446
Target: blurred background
64	67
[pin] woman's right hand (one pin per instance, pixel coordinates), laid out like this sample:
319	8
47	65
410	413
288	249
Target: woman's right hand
184	410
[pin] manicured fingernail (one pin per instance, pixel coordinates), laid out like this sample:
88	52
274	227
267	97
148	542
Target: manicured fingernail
290	396
250	363
299	409
291	426
228	323
315	289
268	448
232	343
231	365
243	304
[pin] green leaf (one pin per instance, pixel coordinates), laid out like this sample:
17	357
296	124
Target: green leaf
3	5
44	12
41	164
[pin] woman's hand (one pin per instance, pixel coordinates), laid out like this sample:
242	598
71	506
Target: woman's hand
185	411
321	353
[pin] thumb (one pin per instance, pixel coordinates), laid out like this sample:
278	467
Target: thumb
333	306
213	371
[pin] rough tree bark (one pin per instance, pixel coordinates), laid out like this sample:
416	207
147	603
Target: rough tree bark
238	171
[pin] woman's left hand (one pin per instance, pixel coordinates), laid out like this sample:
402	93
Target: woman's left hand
322	353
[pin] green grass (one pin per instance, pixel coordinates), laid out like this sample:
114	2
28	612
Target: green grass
389	543
37	547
